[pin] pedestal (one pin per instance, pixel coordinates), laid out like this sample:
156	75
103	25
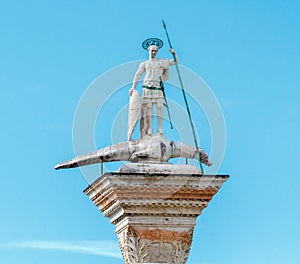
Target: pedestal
154	214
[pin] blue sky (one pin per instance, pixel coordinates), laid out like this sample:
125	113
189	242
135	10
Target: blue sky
248	53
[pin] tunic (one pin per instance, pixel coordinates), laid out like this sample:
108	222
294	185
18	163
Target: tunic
154	69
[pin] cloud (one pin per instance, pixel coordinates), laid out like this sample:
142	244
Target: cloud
102	248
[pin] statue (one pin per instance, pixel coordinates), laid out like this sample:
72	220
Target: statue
151	151
156	72
156	150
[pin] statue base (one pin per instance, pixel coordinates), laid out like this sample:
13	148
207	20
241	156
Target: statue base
154	214
164	168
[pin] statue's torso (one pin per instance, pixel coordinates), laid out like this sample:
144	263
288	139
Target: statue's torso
155	69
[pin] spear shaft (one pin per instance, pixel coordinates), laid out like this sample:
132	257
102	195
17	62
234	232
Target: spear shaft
166	101
184	97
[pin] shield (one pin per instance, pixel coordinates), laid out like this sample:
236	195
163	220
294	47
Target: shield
134	111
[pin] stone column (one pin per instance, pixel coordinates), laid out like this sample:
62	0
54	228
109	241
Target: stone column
154	214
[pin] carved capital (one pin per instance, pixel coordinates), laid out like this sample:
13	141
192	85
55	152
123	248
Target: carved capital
154	246
154	214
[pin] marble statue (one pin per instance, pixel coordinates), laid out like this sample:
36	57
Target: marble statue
153	150
156	71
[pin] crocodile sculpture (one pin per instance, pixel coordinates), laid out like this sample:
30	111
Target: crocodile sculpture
156	149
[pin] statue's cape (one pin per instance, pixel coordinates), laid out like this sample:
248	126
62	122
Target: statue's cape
134	111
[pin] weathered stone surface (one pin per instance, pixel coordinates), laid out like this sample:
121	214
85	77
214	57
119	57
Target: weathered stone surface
151	153
158	168
154	214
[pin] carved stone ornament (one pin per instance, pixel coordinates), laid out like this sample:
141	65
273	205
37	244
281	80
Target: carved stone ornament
137	249
154	214
133	247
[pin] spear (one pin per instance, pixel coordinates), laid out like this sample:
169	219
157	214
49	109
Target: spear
166	102
184	97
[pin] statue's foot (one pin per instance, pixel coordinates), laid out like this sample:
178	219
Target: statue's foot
149	131
160	131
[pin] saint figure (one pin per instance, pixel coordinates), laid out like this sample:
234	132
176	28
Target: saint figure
156	71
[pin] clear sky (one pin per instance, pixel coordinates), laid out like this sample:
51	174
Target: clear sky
247	51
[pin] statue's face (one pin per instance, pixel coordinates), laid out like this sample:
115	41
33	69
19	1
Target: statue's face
153	50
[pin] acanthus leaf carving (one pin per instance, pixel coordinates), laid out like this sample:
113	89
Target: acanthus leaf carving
133	247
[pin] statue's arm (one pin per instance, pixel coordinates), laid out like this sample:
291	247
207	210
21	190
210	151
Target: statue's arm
137	75
172	62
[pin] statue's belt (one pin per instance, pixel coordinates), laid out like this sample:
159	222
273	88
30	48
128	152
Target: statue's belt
152	88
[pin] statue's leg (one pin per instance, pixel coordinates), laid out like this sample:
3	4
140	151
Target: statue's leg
160	114
149	117
143	121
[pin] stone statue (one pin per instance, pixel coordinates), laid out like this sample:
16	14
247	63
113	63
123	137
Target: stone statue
151	152
152	202
151	149
156	72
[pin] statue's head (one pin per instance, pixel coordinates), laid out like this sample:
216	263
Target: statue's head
152	49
